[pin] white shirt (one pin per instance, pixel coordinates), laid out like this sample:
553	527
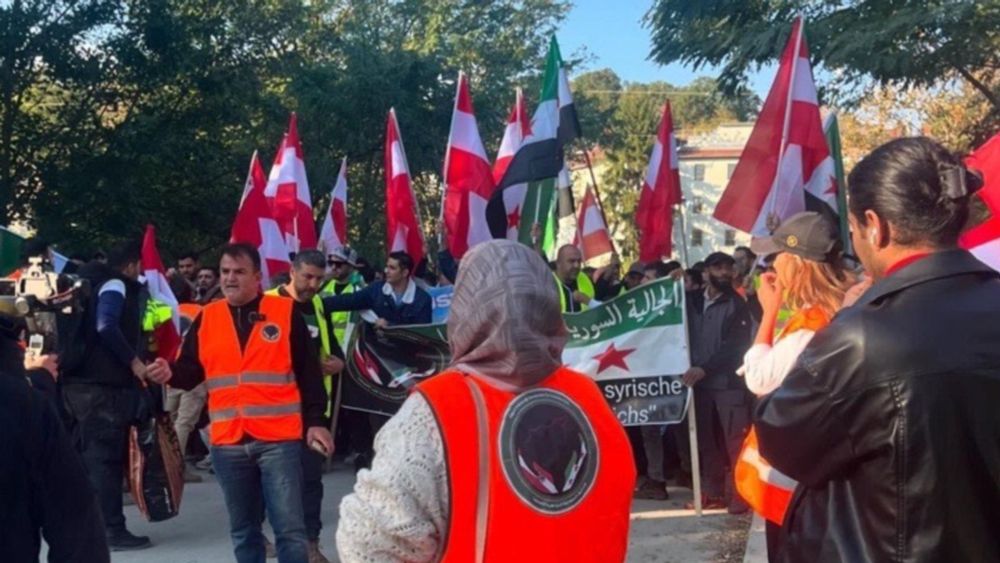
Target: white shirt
765	367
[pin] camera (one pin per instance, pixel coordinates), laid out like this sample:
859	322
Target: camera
46	302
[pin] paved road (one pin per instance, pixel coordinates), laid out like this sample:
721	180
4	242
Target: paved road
661	532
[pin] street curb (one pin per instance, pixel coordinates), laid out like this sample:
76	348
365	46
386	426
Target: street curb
756	542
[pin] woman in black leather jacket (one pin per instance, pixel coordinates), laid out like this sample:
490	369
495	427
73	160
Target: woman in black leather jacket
890	418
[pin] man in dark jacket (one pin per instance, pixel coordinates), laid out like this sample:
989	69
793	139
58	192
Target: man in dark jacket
889	419
719	330
102	396
396	301
43	483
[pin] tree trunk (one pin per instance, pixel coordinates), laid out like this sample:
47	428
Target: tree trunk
7	126
978	85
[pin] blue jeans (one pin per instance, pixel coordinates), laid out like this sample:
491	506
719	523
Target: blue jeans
258	475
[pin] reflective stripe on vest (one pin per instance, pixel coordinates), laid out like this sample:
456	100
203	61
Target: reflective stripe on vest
251	391
512	527
767	490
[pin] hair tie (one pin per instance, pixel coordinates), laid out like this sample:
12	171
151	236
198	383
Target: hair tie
953	181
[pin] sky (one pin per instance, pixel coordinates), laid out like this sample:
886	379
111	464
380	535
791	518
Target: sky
613	34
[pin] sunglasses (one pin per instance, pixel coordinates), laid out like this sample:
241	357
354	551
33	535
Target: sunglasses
335	263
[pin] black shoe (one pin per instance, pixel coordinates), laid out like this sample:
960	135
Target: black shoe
123	540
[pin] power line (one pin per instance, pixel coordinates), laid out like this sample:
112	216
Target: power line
648	92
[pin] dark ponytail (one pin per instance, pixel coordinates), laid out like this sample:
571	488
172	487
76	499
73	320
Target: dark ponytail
916	185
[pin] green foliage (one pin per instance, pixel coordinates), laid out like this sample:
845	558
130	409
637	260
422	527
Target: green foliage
902	43
630	115
148	110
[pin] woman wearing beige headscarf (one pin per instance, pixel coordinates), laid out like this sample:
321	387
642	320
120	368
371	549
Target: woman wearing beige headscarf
506	454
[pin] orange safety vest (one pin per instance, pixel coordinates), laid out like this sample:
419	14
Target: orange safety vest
252	391
533	476
189	312
767	490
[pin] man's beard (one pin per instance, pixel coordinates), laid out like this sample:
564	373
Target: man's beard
721	284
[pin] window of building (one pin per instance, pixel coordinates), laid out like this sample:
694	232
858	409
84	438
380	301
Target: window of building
730	170
697	206
699	172
730	237
697	237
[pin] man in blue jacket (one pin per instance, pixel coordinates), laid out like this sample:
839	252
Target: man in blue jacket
395	301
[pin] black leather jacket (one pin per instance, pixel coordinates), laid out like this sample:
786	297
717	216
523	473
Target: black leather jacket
891	422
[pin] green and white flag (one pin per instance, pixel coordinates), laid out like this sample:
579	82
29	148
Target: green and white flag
831	128
539	159
11	245
636	348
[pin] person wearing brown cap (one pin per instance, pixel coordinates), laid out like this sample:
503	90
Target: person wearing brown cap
810	280
889	416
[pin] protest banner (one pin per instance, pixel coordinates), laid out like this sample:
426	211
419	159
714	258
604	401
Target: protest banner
634	346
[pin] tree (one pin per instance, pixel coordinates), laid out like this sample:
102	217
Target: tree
51	63
908	43
178	94
630	130
957	116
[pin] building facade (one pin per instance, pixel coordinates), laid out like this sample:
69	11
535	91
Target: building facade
707	162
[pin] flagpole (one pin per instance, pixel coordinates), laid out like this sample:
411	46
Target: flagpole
538	203
447	155
695	460
597	191
772	195
684	247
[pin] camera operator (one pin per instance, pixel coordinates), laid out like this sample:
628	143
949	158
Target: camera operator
43	485
102	396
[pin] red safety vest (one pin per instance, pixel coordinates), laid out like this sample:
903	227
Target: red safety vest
767	490
542	475
252	391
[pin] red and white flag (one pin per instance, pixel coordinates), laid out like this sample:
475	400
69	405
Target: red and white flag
591	233
167	335
468	178
401	216
661	190
256	226
984	240
334	232
288	192
786	166
518	128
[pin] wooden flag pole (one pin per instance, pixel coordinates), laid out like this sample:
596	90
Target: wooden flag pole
695	462
597	190
683	225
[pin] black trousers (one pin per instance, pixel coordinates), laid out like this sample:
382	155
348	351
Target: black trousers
101	417
312	490
723	418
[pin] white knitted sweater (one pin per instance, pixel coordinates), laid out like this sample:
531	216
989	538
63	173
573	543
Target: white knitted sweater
399	508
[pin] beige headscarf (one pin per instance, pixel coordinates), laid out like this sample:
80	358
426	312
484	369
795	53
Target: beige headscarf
505	321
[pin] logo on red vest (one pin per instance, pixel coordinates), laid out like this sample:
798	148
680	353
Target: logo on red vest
270	332
548	451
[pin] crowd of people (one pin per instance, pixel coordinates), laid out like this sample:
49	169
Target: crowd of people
847	399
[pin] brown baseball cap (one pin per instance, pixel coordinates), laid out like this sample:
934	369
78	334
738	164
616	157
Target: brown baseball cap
807	234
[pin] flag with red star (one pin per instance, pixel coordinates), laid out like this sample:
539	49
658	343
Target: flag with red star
786	165
635	347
